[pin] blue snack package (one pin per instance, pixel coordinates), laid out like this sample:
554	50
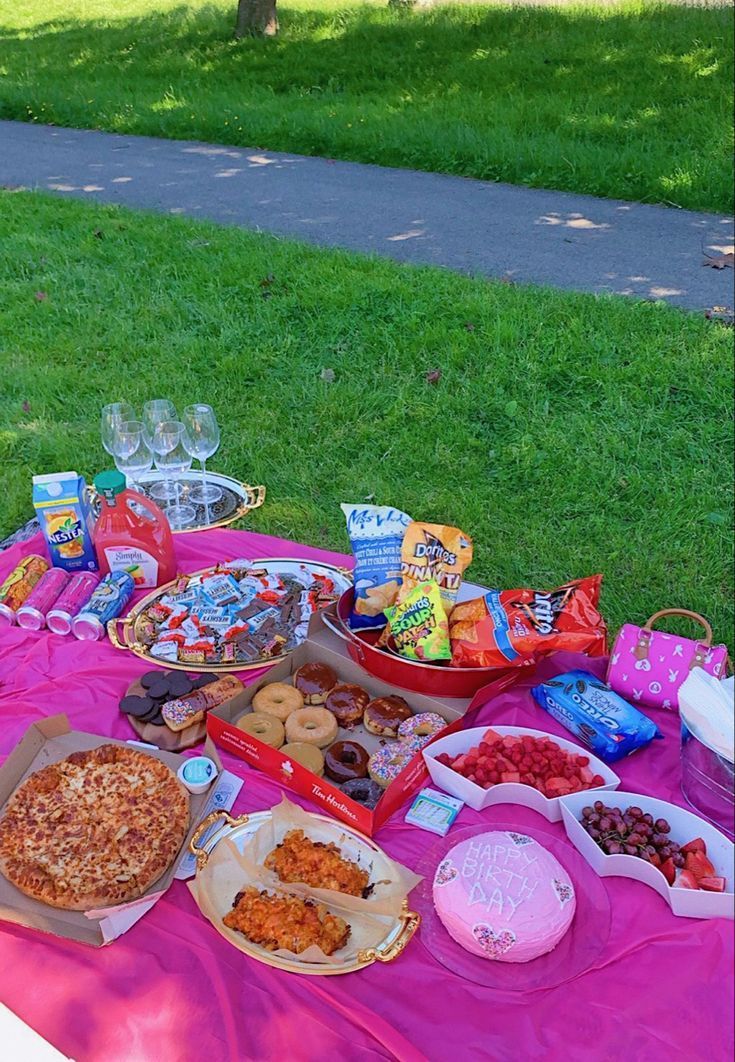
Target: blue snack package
376	534
605	723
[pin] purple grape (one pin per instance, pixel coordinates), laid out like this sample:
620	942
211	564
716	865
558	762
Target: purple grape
605	823
630	849
586	812
635	839
662	826
599	806
659	838
635	812
643	854
648	819
665	852
679	860
594	834
614	847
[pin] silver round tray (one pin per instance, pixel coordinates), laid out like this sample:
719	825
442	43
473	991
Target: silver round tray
237	498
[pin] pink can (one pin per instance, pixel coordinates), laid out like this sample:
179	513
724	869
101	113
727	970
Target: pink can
78	591
32	613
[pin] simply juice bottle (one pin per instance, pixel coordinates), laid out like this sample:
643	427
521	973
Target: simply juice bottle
133	540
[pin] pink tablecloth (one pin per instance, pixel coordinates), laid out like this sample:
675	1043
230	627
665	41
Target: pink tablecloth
172	989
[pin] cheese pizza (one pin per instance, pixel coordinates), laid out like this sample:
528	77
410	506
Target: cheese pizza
94	830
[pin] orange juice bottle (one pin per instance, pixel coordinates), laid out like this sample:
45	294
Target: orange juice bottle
128	540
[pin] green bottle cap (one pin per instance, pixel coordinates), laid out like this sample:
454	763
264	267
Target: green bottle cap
109	484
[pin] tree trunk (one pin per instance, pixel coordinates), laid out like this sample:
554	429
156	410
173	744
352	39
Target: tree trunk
256	18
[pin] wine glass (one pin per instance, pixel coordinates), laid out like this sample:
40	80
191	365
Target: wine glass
202	440
156	412
172	459
131	452
112	417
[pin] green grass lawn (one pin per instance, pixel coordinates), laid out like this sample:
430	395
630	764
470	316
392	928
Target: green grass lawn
568	434
632	100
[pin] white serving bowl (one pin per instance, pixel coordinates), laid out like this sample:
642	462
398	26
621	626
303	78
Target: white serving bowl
505	792
685	826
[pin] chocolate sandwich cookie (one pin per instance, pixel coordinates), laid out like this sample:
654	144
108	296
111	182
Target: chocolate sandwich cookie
151	715
137	706
159	691
156	720
202	680
179	684
150	678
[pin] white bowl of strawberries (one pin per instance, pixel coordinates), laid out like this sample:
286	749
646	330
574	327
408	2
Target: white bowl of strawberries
514	765
683	857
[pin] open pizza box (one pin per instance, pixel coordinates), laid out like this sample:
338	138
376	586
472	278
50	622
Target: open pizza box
46	742
323	645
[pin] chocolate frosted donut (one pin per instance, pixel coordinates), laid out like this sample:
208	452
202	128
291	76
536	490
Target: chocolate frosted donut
314	681
347	703
384	715
363	791
345	760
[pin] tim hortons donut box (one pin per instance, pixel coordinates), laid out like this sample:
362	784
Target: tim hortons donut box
322	645
48	741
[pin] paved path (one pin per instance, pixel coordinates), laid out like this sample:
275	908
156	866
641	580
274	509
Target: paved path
495	230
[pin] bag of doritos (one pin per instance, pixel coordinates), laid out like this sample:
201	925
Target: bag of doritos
506	628
376	534
438	552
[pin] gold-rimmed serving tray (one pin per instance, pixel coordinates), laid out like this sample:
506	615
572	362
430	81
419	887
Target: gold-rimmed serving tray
220	825
237	498
125	633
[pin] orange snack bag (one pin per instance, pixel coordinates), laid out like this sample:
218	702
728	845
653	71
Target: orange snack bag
508	628
438	552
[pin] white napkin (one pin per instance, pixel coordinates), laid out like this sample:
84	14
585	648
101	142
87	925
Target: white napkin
707	706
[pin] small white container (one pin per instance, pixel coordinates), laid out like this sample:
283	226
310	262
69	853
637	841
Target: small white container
685	826
197	773
506	792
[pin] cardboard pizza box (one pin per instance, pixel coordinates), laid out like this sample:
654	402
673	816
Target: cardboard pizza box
323	645
49	741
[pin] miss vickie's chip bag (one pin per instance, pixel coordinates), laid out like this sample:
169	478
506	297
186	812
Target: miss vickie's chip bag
376	535
505	628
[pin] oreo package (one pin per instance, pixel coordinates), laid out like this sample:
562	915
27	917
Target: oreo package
601	720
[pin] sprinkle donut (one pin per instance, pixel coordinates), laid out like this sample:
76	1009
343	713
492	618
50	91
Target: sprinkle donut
421	728
387	763
312	726
278	699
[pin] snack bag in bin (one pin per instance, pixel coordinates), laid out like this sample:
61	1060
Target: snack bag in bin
505	628
376	533
418	625
438	552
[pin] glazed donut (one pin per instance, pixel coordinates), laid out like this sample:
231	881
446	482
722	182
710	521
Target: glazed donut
363	791
345	760
347	703
423	727
264	727
312	726
278	699
384	715
314	681
308	756
387	763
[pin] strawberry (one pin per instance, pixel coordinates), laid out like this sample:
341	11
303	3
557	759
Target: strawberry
668	870
699	865
686	880
712	884
697	845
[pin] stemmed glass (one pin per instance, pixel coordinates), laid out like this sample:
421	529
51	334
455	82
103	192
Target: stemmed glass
131	452
172	459
201	441
113	415
156	412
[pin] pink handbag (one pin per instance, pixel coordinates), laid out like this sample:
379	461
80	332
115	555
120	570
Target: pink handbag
647	667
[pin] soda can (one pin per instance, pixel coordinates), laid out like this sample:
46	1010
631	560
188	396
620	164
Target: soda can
106	602
71	602
32	613
19	584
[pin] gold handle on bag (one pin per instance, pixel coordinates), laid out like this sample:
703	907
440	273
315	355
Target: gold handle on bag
201	854
113	635
410	922
682	612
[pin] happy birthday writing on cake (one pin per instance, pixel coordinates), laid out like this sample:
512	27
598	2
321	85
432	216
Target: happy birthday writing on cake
498	876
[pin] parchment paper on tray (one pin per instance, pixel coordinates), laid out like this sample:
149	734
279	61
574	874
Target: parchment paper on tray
228	871
391	881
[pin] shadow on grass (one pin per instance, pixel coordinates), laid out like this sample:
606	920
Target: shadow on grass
632	103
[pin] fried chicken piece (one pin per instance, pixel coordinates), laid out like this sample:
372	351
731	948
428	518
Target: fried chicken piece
297	859
286	922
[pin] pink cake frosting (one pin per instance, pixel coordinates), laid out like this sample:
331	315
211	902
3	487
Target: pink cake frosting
503	896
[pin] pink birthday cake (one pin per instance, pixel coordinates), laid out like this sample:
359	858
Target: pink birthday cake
503	896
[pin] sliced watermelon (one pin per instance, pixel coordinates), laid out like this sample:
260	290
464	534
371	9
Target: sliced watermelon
491	736
668	870
712	884
699	865
697	845
686	880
